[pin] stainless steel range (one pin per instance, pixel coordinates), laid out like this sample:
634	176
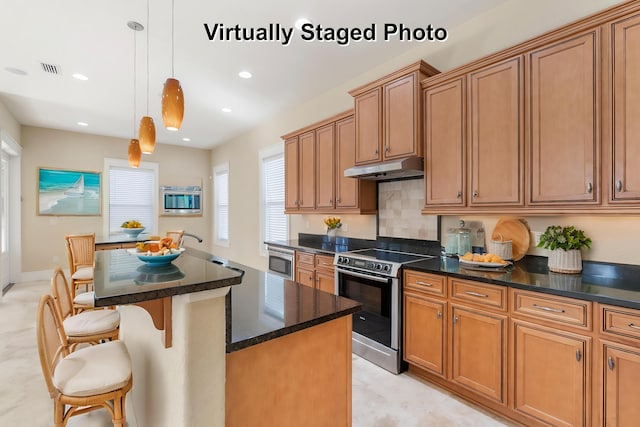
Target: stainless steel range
373	277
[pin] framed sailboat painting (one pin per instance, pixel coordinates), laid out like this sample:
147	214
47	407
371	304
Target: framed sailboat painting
68	192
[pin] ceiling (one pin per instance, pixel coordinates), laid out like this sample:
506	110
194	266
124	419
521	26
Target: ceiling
91	37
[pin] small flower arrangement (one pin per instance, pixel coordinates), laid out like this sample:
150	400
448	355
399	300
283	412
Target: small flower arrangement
332	222
565	238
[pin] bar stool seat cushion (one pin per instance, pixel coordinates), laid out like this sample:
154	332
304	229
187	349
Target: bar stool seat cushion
85	298
93	370
83	273
91	322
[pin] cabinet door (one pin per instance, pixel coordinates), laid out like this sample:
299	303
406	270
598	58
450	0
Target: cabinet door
496	134
551	375
325	170
564	124
307	170
424	332
625	58
444	144
368	116
291	158
478	349
346	188
401	118
325	281
621	365
305	276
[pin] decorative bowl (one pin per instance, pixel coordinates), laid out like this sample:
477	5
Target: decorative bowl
151	259
133	232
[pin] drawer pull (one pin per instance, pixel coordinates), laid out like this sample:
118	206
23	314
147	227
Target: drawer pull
578	355
589	187
455	319
476	294
420	282
554	310
631	325
439	315
610	363
618	186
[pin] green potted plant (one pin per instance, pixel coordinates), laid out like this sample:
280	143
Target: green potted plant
565	244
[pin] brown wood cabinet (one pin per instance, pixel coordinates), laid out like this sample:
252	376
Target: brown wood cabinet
624	63
388	115
315	159
315	270
621	367
564	120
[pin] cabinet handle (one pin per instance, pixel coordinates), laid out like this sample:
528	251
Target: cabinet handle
420	282
610	363
618	185
475	193
439	315
330	201
458	194
631	325
338	200
589	187
578	355
476	294
377	151
542	307
386	149
455	319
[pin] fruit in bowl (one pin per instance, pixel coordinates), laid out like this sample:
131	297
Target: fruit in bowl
132	228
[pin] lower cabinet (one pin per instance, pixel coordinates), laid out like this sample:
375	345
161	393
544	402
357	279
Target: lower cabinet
478	350
424	333
315	270
551	378
621	367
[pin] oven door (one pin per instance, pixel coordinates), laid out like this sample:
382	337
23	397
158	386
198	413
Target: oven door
378	320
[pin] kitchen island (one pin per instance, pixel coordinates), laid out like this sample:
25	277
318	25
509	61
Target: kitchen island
282	350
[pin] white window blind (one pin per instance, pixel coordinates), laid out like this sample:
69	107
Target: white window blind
275	222
131	196
221	202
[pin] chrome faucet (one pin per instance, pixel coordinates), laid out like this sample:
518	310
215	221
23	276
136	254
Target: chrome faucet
194	236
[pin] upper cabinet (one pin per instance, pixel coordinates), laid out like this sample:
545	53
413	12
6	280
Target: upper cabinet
564	121
315	159
388	115
544	127
623	47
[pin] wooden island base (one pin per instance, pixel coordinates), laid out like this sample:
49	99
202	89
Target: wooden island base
303	378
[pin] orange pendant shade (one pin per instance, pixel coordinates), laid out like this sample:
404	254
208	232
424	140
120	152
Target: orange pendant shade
134	153
147	135
172	104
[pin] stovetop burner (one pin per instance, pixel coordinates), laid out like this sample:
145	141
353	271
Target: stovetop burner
377	261
387	255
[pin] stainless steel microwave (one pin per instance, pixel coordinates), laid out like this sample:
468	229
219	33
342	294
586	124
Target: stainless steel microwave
181	200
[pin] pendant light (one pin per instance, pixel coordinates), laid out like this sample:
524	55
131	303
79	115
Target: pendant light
134	152
172	96
147	130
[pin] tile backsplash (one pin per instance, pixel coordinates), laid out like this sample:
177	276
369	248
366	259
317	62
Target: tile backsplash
400	205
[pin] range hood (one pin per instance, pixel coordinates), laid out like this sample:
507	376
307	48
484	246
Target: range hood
408	167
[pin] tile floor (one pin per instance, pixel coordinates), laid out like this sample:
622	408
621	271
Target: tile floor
380	399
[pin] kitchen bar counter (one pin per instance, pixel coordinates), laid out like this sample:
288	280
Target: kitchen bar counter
119	241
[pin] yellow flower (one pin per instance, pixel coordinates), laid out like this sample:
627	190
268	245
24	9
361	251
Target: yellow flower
332	222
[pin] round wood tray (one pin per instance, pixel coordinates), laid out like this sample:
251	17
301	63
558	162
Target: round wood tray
516	230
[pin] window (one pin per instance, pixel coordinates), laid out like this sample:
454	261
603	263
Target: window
221	204
132	194
274	223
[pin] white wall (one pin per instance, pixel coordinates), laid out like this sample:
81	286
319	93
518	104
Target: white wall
506	25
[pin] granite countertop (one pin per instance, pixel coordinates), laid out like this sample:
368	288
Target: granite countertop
266	306
616	284
121	278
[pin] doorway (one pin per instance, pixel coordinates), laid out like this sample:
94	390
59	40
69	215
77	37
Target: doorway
9	211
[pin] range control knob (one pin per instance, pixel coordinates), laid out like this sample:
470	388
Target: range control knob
387	268
378	266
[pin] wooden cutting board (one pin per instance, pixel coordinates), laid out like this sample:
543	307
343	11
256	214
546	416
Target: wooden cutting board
516	230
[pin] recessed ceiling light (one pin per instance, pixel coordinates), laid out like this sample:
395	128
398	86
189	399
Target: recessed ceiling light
79	76
300	22
226	110
245	74
83	124
17	71
186	139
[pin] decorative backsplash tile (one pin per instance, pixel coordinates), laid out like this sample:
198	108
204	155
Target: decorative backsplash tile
399	211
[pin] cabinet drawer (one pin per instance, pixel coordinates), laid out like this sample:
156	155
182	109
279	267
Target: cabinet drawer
482	294
424	282
304	258
559	310
622	322
324	262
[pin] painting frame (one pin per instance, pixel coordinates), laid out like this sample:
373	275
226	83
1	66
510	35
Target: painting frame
68	192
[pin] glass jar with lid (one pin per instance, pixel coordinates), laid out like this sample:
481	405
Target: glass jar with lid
451	242
464	239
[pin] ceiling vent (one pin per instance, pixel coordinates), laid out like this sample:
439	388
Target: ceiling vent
50	68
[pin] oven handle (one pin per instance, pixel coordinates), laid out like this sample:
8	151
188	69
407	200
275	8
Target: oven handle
362	275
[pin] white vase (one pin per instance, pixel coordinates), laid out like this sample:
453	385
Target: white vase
331	232
561	261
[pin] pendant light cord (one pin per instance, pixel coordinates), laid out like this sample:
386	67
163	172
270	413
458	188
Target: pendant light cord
148	57
134	83
172	37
